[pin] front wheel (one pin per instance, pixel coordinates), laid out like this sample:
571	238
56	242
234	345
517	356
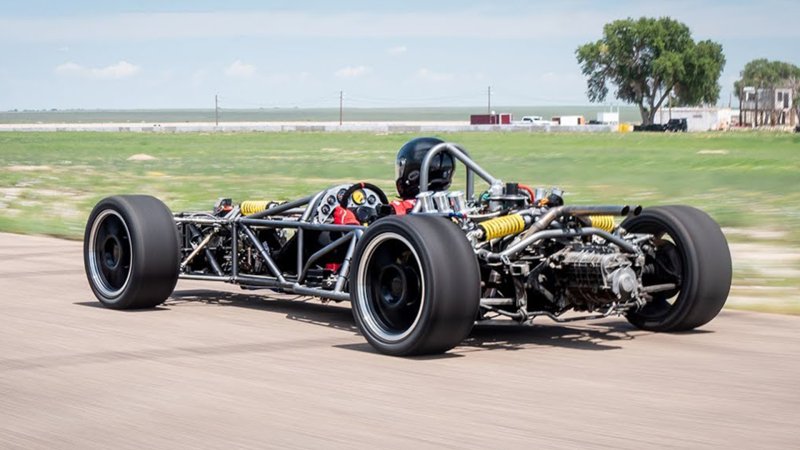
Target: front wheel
131	252
414	286
689	252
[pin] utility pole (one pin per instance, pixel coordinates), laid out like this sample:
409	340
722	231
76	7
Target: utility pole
216	110
489	103
341	106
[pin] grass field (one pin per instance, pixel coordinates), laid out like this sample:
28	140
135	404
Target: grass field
749	182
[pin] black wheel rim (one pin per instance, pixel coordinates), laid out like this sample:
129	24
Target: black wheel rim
391	287
664	266
110	254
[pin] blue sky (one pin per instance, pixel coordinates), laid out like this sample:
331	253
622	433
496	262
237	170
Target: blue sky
148	54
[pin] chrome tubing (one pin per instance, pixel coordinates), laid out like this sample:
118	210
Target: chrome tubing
472	166
281	208
562	211
511	251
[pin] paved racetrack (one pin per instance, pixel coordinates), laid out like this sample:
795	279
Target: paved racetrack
233	369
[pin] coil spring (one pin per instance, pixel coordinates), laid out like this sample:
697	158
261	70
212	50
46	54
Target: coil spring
605	223
502	226
253	206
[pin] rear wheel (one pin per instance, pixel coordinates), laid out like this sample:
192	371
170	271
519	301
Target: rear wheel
415	285
691	253
130	252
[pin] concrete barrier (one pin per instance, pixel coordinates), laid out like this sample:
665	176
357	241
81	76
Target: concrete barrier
307	127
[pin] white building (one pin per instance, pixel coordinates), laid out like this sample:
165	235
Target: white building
608	118
697	119
767	106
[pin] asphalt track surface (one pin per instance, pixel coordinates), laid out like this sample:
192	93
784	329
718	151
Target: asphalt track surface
238	369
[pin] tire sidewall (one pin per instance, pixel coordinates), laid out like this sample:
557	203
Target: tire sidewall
410	343
150	271
429	333
706	271
680	309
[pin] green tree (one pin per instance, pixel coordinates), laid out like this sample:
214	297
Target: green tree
647	61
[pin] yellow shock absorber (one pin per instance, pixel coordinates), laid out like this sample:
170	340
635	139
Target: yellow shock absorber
253	206
502	226
605	223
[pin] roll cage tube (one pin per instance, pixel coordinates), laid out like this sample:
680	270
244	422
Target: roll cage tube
460	155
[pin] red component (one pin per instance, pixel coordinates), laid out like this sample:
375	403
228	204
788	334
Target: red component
402	207
333	267
343	216
529	190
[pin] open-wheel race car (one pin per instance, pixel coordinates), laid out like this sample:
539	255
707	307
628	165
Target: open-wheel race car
420	271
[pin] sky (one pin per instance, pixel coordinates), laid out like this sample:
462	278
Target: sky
179	54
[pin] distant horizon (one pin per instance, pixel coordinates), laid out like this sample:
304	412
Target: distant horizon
263	108
291	114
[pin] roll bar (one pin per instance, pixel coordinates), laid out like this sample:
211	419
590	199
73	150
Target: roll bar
460	155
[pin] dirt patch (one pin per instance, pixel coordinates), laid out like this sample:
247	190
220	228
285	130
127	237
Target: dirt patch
142	157
756	233
713	152
9	196
23	168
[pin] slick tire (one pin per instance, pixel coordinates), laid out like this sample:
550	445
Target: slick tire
690	248
414	285
131	252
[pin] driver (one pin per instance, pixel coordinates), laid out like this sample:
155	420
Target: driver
407	168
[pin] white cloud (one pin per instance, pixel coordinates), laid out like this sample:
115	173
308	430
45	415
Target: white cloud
122	69
399	50
238	69
352	71
429	75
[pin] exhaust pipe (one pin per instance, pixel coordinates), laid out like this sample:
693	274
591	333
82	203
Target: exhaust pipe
561	211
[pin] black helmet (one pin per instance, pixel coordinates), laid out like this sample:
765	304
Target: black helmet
409	163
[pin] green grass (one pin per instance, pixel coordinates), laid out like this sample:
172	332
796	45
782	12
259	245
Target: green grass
747	179
50	181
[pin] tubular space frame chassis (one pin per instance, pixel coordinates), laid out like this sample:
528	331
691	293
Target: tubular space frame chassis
281	217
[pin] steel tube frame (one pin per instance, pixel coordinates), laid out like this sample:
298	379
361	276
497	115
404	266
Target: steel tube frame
323	251
471	166
244	225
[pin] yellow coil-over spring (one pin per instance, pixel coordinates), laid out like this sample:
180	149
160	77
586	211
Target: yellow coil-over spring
253	206
502	226
605	223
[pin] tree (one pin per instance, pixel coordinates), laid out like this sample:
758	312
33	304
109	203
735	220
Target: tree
649	60
762	74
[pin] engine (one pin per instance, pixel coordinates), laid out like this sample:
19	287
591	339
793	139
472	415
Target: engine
590	276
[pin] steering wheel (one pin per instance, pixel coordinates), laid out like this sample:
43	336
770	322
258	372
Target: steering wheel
344	201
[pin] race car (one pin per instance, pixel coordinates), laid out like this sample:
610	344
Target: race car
420	271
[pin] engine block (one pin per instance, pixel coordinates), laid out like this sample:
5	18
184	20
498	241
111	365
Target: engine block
594	275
